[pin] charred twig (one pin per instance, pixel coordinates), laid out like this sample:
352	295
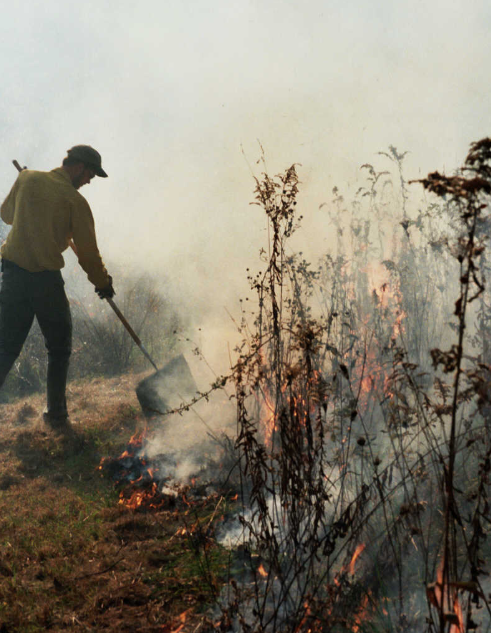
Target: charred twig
102	571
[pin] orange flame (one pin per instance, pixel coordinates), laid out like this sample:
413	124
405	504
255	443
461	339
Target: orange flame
139	498
359	549
361	612
182	618
371	373
135	443
269	422
445	598
305	618
262	571
360	615
350	568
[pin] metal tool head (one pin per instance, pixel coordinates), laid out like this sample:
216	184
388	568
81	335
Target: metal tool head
167	388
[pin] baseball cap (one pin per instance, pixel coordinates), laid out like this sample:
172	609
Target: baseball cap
88	155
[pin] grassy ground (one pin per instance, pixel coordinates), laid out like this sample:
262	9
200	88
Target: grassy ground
71	557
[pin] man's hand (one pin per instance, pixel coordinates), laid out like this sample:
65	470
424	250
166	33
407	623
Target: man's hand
108	291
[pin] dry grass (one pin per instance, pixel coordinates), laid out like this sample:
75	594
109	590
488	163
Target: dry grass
71	558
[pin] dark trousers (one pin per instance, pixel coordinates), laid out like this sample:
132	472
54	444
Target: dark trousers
23	296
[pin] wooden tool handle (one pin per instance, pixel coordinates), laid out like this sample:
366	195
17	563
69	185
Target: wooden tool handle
17	166
130	330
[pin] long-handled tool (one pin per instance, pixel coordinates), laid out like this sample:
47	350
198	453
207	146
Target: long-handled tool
169	386
130	330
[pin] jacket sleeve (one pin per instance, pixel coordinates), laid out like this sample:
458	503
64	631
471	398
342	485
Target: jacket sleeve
7	210
83	233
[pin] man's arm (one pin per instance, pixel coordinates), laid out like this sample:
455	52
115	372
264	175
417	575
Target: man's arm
7	210
84	238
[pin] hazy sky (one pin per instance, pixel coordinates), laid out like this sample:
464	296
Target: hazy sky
169	91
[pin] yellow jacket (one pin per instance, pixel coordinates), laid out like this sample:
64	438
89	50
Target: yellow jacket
46	211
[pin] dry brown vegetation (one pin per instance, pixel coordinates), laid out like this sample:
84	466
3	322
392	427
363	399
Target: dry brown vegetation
362	456
362	390
71	557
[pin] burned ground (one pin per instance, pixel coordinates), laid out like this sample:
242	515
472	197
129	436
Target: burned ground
71	557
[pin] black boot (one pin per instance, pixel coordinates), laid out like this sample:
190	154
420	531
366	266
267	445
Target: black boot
56	415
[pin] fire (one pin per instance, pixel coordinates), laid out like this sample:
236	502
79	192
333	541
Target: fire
182	619
459	628
301	406
139	497
262	572
139	477
361	612
377	277
369	371
389	296
360	615
444	596
135	443
269	421
305	618
350	568
359	549
398	327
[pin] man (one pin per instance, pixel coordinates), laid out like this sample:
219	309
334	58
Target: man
46	212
